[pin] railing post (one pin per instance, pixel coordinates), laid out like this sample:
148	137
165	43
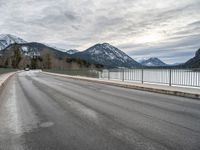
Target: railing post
198	81
170	77
108	74
142	75
123	75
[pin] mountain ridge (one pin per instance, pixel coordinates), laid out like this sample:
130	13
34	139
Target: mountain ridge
72	51
104	54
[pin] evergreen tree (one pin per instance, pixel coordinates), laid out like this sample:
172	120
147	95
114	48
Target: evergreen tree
16	57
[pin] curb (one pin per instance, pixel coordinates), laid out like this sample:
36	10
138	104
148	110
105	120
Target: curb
4	82
129	86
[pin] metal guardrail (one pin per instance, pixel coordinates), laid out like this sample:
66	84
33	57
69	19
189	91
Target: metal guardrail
181	77
93	73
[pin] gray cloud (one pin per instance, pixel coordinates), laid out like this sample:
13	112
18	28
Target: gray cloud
180	50
169	30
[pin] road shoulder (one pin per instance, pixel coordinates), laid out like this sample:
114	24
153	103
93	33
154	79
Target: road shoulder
4	79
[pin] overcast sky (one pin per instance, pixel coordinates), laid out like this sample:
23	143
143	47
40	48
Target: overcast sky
168	29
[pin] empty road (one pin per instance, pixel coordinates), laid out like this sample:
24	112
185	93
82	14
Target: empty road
45	112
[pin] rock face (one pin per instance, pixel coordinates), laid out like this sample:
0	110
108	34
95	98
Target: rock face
7	39
193	62
153	61
107	55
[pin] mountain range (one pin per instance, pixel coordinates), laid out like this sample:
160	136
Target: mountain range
104	54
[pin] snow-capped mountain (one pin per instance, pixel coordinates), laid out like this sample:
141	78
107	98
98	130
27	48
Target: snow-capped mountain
72	51
7	39
34	50
153	61
107	55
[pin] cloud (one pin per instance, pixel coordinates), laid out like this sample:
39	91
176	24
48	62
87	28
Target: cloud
169	30
178	49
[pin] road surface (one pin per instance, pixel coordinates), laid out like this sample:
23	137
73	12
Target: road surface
44	112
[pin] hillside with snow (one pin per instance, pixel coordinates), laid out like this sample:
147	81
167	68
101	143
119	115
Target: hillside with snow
8	39
107	55
153	61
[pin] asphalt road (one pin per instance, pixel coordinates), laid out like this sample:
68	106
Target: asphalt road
44	112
